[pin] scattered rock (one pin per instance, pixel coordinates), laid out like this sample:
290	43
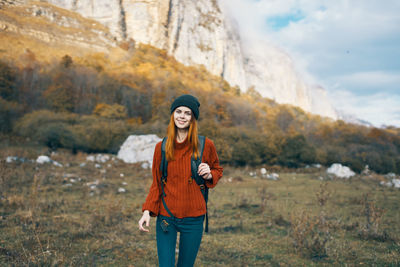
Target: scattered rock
11	159
55	163
97	165
390	175
121	175
388	184
82	164
121	190
138	148
340	171
317	165
253	174
101	158
366	170
124	183
273	176
396	183
95	183
43	159
145	165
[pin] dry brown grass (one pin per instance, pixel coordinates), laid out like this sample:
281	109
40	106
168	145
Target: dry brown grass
46	219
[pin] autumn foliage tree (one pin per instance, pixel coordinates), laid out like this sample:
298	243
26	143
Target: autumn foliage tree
114	111
109	99
7	82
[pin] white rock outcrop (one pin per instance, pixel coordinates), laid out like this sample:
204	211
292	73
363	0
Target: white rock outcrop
138	148
201	33
340	171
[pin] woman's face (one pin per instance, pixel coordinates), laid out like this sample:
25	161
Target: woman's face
182	117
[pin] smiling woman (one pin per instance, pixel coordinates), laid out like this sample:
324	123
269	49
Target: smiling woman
182	118
179	203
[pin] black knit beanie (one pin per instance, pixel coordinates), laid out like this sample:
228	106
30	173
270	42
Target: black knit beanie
187	101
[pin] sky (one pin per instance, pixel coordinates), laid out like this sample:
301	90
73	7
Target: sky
349	47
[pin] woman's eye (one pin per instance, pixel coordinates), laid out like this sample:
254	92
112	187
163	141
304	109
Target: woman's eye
188	113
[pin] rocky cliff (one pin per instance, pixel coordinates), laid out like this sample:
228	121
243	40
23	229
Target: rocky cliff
51	24
200	33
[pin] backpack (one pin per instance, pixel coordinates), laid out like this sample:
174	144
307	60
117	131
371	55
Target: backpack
194	163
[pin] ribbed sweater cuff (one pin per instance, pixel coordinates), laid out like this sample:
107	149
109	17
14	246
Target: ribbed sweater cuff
154	210
213	182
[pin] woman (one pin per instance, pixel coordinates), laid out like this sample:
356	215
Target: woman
183	198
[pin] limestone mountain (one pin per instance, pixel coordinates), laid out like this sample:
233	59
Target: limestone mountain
195	33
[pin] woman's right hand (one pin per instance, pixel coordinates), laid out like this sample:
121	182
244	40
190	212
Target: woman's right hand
145	219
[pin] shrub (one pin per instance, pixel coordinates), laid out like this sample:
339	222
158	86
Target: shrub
297	150
310	235
87	133
373	217
30	123
114	111
99	135
55	135
7	82
9	113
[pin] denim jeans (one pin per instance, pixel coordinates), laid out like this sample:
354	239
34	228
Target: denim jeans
191	231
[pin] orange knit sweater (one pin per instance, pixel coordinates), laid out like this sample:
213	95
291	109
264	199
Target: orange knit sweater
183	195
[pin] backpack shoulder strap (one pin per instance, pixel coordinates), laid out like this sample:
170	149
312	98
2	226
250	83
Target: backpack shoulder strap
196	162
200	180
164	161
164	173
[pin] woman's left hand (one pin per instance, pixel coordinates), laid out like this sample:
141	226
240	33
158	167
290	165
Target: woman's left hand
204	171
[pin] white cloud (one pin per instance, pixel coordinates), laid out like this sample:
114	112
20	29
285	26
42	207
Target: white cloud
372	79
378	109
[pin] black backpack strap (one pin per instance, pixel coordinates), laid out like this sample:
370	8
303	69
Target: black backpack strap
164	162
164	174
196	162
200	180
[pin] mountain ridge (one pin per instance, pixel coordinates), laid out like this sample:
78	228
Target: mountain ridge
195	33
202	33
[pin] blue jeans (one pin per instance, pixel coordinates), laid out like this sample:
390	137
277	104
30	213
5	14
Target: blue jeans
191	231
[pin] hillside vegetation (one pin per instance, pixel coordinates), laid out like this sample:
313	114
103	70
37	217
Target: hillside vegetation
92	103
63	94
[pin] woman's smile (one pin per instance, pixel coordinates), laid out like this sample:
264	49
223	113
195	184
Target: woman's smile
182	117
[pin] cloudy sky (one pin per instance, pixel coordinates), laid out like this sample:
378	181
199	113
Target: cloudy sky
350	47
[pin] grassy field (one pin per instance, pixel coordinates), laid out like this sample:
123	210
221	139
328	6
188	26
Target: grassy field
75	215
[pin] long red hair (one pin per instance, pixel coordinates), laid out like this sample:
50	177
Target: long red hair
192	138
